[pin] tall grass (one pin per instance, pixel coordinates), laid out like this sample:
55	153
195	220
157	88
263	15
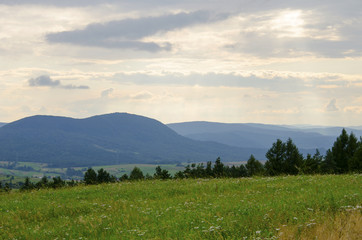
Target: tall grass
248	208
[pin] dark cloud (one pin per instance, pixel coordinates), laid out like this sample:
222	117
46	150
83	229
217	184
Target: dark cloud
128	33
46	81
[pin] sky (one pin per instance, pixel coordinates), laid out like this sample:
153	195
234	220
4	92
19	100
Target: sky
258	61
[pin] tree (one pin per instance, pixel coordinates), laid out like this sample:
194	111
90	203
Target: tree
103	176
218	170
313	165
161	174
254	167
42	183
343	151
27	184
124	177
293	161
355	163
340	153
179	175
275	155
57	182
136	174
328	165
208	170
90	176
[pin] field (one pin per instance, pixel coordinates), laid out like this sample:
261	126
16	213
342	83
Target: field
290	207
40	169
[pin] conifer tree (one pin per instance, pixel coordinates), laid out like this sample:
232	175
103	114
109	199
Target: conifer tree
90	176
218	170
254	167
275	155
136	174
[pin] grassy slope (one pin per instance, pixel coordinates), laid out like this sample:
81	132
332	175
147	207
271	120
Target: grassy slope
186	209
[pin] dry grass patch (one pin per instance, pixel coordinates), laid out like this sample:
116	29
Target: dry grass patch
345	226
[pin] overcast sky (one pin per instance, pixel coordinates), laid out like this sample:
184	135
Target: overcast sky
263	61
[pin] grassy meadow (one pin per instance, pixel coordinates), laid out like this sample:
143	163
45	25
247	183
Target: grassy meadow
42	169
289	207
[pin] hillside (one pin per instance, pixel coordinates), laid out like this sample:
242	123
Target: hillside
261	135
296	207
106	139
2	124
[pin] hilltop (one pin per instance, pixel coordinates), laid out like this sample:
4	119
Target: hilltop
104	140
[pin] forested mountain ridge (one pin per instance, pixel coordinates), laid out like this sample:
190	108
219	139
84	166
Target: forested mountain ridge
261	135
106	139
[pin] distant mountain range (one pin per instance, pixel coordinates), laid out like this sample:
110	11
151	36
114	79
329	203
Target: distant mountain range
126	138
262	136
2	124
106	139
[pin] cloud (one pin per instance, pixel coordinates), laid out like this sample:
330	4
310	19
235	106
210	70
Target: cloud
128	33
331	107
106	93
46	81
142	96
43	80
268	81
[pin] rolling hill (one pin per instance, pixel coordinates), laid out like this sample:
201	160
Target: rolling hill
106	139
251	135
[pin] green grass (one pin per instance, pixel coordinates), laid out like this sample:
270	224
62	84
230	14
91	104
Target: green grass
41	169
179	209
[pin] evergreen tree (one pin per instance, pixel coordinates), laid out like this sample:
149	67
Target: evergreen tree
161	174
328	165
234	172
293	159
340	153
27	184
343	151
90	176
243	172
208	170
103	176
254	167
136	174
276	157
57	182
148	176
355	163
179	175
218	170
312	165
124	177
43	183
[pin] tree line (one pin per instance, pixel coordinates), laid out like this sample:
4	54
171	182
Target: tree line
283	158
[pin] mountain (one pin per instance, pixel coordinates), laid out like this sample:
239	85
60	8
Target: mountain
104	140
251	135
2	124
